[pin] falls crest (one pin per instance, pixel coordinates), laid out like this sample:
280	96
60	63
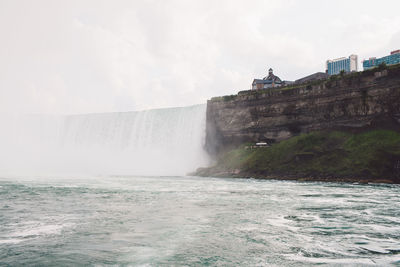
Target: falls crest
152	142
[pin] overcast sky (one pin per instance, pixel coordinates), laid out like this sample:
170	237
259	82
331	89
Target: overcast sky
86	56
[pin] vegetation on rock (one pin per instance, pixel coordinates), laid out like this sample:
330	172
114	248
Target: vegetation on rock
371	156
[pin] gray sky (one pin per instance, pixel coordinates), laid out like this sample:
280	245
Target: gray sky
68	57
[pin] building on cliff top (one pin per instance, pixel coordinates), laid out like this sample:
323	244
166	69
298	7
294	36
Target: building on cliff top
267	82
393	58
313	77
335	66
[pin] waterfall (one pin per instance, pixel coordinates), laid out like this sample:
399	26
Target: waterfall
152	142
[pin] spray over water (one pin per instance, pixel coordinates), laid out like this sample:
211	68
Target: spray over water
152	142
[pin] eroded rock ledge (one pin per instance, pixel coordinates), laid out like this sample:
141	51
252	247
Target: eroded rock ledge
352	102
345	129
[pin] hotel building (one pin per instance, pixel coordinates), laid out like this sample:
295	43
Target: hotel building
335	66
393	58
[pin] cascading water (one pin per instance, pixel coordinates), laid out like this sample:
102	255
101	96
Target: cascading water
152	142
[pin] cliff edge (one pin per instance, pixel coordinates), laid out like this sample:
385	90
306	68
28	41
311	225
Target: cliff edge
352	105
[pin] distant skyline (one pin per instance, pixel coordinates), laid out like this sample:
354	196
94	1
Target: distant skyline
70	57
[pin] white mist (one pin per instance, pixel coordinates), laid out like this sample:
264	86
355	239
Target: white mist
159	142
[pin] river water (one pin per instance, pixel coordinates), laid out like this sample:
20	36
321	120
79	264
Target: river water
164	221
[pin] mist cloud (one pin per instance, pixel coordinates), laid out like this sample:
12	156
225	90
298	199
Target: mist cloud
98	56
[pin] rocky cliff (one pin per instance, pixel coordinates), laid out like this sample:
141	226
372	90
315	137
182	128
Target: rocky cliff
344	102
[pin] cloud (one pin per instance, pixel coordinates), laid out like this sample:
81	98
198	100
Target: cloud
100	56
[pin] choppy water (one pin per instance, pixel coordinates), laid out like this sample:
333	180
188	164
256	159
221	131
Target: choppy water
167	221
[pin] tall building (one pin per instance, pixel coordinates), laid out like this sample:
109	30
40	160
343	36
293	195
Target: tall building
393	58
335	66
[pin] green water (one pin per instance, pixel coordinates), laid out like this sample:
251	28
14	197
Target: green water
164	221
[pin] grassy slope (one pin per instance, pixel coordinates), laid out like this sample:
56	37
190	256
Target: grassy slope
367	155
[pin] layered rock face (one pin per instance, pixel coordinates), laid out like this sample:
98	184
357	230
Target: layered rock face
349	102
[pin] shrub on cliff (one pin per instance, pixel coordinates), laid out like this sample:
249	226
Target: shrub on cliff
373	154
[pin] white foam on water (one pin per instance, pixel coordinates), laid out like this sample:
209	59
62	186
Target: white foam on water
281	222
39	230
11	241
36	228
343	261
31	230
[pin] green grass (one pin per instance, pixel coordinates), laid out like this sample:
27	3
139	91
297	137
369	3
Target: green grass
368	154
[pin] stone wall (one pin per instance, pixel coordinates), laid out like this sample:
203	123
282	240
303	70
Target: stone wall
349	102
